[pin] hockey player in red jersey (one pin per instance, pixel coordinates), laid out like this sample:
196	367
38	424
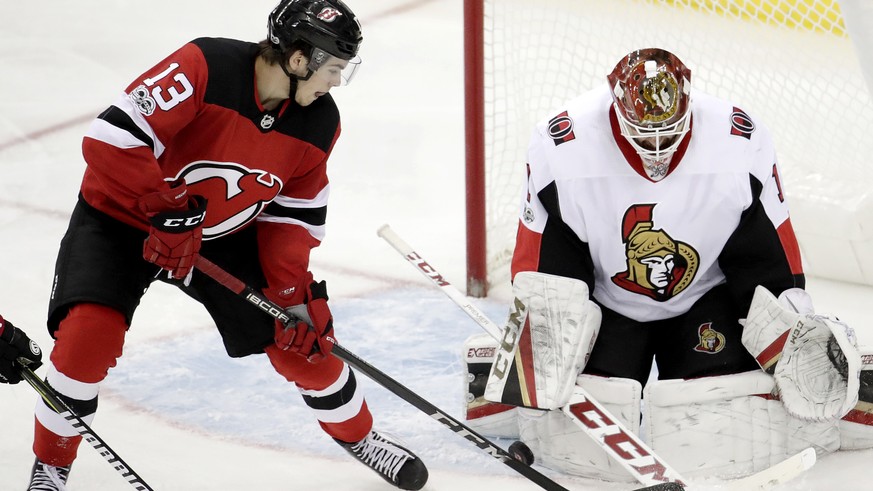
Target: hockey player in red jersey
667	206
221	150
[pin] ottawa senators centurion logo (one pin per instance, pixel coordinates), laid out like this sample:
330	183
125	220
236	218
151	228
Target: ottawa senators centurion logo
711	341
657	266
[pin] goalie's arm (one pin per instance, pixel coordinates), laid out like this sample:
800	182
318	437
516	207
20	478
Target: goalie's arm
544	242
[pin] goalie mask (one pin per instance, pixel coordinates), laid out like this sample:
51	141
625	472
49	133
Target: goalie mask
329	28
650	89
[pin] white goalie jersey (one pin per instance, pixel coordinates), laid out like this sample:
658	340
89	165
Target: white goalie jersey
652	247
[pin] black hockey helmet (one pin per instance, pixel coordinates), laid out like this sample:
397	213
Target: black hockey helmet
328	25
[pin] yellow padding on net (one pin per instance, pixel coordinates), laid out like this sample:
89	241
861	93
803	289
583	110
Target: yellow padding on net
806	15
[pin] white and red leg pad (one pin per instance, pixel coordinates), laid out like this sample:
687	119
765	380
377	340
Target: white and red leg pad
559	444
856	428
727	426
488	418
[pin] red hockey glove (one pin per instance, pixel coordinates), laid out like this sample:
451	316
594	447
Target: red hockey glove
310	331
16	349
176	229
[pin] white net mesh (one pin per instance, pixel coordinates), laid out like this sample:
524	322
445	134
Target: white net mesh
788	63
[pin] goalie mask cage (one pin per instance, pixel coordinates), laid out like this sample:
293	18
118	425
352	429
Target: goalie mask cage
790	63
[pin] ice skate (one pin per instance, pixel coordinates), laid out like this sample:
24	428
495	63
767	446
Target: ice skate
45	477
393	462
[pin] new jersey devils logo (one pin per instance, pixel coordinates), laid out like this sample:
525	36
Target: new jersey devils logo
236	194
329	14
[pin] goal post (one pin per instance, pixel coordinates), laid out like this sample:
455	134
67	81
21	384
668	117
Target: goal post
792	64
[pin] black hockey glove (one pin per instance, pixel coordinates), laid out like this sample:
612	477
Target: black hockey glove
15	346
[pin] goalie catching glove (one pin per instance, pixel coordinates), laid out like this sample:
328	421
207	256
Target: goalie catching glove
814	359
309	332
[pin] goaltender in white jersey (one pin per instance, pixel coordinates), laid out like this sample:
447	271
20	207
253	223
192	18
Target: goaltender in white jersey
667	205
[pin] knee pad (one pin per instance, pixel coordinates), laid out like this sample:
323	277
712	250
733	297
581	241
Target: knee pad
559	444
485	417
727	426
856	428
88	342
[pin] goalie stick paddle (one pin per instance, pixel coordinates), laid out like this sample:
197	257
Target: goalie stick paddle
274	310
53	400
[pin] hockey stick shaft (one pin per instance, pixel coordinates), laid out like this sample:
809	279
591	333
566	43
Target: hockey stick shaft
642	463
53	400
277	312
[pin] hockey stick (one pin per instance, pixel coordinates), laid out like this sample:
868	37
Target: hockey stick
53	400
274	310
620	444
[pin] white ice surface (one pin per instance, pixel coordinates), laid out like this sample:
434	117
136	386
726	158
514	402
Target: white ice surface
177	409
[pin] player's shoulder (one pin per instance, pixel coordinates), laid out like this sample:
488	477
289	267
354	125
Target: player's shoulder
722	118
225	52
588	105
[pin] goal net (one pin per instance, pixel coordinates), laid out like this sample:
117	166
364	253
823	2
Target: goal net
790	63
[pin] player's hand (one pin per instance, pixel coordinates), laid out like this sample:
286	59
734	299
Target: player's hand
310	330
176	229
16	349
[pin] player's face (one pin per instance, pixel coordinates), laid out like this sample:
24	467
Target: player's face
654	143
328	76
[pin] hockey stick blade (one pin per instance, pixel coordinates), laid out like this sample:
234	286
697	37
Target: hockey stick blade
57	404
666	486
780	473
585	412
277	312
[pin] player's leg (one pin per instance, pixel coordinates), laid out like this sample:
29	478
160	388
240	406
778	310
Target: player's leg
617	369
329	388
727	425
713	400
560	444
100	277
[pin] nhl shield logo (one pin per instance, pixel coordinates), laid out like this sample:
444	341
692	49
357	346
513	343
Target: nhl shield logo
267	121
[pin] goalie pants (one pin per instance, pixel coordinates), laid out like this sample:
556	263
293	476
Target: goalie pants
100	277
703	342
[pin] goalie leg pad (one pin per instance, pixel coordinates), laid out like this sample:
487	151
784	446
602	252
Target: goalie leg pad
856	427
727	426
559	444
487	418
548	337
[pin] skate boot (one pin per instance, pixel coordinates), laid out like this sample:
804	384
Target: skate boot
393	462
44	477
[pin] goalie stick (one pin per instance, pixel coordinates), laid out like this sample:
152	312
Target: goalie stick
53	400
622	445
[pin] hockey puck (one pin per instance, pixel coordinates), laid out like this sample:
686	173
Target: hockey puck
521	453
